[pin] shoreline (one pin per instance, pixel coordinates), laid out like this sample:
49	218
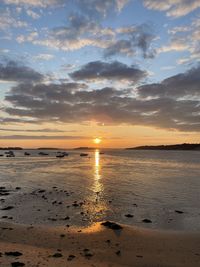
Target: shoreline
97	246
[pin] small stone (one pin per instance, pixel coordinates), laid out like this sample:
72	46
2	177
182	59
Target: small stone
179	211
118	252
147	221
71	257
129	215
57	255
17	264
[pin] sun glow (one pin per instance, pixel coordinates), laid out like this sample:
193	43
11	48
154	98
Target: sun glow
97	140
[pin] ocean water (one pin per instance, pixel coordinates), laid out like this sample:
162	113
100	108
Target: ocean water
146	184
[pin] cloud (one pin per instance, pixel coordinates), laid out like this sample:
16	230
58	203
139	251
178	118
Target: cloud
42	137
45	57
177	44
82	31
130	39
184	39
173	104
173	8
48	130
182	85
7	20
32	14
100	7
12	71
98	70
35	3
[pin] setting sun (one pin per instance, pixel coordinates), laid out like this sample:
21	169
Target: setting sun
97	140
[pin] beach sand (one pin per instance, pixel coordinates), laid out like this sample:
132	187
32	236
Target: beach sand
97	246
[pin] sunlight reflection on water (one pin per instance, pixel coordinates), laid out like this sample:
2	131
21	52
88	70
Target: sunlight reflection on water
146	184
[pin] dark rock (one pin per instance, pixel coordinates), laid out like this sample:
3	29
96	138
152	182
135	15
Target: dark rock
128	215
13	253
8	208
112	225
179	211
71	257
118	252
41	191
147	221
87	253
57	255
17	264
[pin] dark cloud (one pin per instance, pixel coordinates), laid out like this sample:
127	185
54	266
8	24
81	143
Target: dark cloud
181	85
58	103
12	71
98	70
130	39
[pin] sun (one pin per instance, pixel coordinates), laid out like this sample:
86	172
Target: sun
97	140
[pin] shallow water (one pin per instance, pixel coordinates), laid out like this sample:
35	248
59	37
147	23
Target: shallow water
146	184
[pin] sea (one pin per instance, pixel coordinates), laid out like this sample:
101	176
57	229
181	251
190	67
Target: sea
125	186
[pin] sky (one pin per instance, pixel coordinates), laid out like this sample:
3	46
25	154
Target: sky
125	71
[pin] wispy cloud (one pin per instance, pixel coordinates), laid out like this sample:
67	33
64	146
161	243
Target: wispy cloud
173	8
42	137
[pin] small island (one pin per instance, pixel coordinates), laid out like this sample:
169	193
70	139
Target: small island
184	146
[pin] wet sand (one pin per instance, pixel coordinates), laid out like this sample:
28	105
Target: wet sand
96	245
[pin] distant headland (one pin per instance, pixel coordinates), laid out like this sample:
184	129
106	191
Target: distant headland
168	147
11	148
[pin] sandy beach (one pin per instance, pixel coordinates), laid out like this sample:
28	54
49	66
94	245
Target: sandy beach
96	246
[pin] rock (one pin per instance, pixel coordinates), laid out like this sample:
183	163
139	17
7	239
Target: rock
128	215
17	264
8	208
41	191
13	253
87	253
118	252
147	221
2	187
71	257
179	211
112	225
57	255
